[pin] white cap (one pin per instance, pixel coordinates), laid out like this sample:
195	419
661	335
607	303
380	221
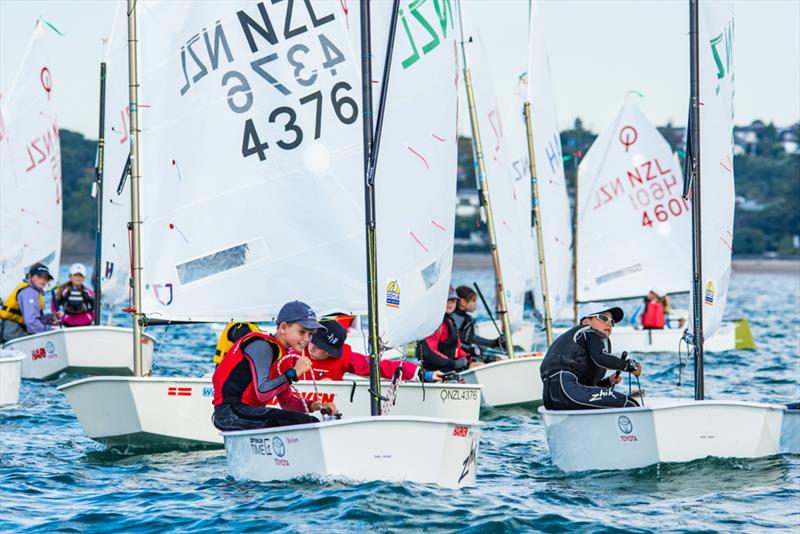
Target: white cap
77	268
595	308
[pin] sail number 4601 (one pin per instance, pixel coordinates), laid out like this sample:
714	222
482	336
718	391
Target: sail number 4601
662	212
344	106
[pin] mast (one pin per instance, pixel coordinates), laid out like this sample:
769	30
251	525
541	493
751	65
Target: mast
694	168
369	212
136	223
537	216
483	191
98	180
575	247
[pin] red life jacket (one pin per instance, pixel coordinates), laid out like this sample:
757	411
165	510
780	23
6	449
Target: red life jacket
234	357
653	316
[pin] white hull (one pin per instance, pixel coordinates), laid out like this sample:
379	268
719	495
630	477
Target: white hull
666	340
10	374
666	430
506	383
90	350
523	335
167	412
386	448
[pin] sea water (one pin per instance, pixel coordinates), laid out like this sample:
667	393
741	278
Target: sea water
52	477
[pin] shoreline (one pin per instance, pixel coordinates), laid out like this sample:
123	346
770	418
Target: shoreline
474	261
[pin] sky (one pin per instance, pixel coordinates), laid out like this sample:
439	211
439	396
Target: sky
599	50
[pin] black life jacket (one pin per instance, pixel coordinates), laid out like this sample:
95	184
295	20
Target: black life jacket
568	353
76	300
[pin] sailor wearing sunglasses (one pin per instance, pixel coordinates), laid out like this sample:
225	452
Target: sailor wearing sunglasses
575	364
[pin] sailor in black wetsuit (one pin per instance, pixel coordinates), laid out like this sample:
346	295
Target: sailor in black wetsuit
574	366
471	342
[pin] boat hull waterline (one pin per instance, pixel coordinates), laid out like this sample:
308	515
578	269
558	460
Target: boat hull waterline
668	430
385	448
88	350
507	383
10	376
154	413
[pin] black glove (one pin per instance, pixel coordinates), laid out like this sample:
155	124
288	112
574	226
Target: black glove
489	358
460	364
631	366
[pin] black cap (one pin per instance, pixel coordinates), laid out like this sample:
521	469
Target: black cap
332	339
40	269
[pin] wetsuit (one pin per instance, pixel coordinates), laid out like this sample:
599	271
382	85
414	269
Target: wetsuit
573	368
247	379
441	351
471	342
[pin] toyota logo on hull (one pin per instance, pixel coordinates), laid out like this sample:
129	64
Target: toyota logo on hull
625	424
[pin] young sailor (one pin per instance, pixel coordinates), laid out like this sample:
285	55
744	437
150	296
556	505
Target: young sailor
442	351
331	358
22	313
471	342
248	377
654	315
76	300
573	368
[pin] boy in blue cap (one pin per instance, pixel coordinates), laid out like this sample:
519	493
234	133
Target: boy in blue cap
248	377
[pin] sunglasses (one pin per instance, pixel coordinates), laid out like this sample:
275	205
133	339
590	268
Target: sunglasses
604	319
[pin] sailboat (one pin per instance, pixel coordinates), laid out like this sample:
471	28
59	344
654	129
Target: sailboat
672	429
10	376
234	264
536	175
31	226
419	133
632	227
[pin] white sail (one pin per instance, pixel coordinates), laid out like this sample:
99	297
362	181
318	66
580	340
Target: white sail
716	161
30	184
416	175
504	191
633	225
115	265
554	207
252	161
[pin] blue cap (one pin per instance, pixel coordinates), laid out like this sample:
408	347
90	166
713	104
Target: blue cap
40	269
299	312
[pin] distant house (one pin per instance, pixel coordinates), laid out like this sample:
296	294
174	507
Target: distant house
467	203
789	137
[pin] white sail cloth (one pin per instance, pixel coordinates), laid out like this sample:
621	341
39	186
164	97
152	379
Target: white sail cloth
633	224
30	165
115	251
716	162
416	173
252	164
556	221
252	189
505	193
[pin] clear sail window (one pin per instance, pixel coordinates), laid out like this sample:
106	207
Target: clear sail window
222	261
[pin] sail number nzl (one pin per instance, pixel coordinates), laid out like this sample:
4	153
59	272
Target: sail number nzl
458	395
287	56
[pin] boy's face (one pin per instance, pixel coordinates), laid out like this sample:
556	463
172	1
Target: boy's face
294	336
38	281
317	353
77	279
